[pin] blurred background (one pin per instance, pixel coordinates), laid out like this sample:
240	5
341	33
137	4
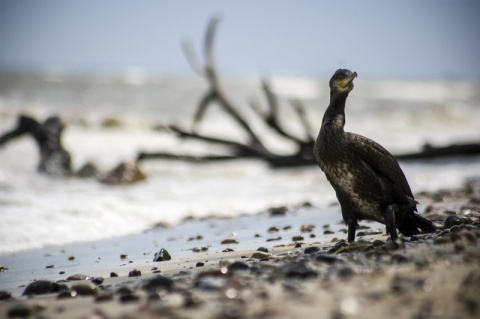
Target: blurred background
114	69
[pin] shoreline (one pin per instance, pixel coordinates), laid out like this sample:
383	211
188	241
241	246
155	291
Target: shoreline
304	269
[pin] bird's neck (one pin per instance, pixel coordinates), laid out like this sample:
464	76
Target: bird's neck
335	114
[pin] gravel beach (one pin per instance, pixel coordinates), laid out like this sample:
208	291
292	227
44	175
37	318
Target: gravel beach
283	263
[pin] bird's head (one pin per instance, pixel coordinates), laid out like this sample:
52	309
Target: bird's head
342	81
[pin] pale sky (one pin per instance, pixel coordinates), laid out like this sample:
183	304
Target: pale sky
410	39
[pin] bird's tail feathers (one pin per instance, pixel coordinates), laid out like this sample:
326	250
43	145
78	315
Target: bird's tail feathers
424	224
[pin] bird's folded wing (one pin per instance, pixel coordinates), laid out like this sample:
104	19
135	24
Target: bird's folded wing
380	160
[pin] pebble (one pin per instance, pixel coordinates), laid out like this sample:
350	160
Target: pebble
238	265
229	241
97	280
297	238
157	282
5	295
307	228
50	266
123	256
264	249
79	277
135	273
129	298
274	239
311	250
227	250
162	255
260	255
25	310
273	229
85	289
113	274
199	264
299	270
67	294
326	258
41	287
455	220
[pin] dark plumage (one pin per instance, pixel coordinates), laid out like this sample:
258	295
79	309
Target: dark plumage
367	179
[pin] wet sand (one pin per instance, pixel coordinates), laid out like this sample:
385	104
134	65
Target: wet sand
303	269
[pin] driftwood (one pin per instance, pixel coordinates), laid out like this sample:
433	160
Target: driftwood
55	160
255	148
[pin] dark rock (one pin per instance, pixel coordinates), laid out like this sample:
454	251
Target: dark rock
299	270
112	275
329	232
123	256
41	287
124	290
307	228
298	245
311	250
453	220
326	258
158	282
67	294
273	229
199	264
85	289
278	211
24	310
264	249
227	250
399	259
97	280
106	296
238	265
135	273
71	258
297	238
128	298
79	277
124	174
162	255
274	239
5	295
50	266
229	241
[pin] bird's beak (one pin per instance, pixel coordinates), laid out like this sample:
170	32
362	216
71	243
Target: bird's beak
348	80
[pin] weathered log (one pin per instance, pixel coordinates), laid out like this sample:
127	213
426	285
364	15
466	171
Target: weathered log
430	151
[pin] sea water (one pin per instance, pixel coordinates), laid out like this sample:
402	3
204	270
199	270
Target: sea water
37	210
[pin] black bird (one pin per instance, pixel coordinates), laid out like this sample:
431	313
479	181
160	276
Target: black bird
367	179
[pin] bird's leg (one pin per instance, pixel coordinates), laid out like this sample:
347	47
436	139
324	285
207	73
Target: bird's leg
352	229
390	223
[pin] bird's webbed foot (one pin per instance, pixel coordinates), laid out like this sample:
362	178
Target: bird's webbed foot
352	229
390	223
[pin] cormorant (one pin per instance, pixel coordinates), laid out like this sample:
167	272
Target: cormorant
367	179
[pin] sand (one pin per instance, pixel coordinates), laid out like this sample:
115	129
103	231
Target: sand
304	269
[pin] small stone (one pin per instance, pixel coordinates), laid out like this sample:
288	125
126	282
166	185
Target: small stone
311	250
238	265
24	310
227	250
62	272
455	220
123	256
50	266
274	239
41	287
297	238
264	249
158	282
112	275
298	245
229	241
278	211
306	228
85	289
162	255
129	298
71	258
326	258
67	294
455	229
273	229
260	255
97	280
79	277
106	296
199	264
135	273
328	232
5	295
399	259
